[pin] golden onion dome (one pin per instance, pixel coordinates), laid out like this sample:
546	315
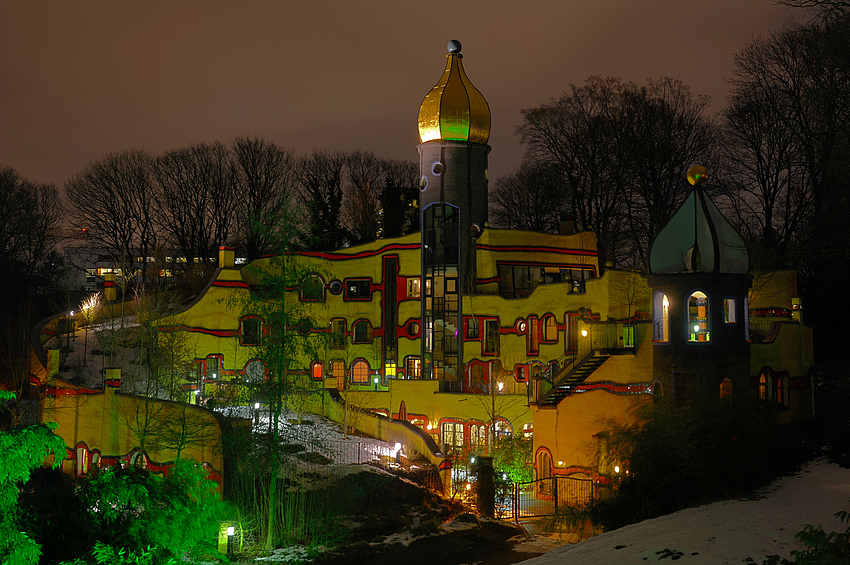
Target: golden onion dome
454	109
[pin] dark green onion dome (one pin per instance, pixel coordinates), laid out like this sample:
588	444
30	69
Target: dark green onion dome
454	109
698	238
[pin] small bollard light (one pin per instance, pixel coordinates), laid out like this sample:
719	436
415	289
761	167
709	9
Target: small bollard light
230	531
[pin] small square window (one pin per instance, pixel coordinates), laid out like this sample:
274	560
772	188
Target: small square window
414	288
358	289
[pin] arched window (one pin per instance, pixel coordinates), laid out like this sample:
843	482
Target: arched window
660	317
82	466
316	371
726	388
362	331
544	465
360	373
313	289
764	387
550	329
698	329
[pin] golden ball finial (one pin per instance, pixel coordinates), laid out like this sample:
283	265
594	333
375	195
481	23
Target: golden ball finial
697	175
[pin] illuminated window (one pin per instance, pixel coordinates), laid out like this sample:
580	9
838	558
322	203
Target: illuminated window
550	329
660	317
477	437
698	315
362	332
316	372
338	333
527	429
358	289
418	421
82	466
502	428
338	372
729	312
390	369
251	332
360	373
726	388
452	434
414	288
213	368
413	368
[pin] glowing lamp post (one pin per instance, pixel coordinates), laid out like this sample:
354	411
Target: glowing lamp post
230	532
89	308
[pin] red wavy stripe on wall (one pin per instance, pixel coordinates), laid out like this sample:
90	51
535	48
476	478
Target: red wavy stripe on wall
216	333
362	254
231	284
53	391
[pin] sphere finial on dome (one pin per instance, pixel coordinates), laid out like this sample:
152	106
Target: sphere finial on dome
697	175
454	46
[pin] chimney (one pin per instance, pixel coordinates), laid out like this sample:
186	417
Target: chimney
226	257
112	379
568	224
109	287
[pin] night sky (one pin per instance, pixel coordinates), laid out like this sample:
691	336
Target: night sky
80	78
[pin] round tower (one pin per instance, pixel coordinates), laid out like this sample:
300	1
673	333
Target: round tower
699	276
454	127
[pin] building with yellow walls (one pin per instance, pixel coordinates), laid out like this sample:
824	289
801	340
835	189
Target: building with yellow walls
464	332
103	428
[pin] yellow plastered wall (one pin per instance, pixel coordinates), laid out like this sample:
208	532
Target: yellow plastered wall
108	422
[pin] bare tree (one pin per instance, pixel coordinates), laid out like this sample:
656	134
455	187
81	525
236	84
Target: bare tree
579	134
196	199
529	199
111	200
621	151
800	78
264	182
321	175
362	198
399	197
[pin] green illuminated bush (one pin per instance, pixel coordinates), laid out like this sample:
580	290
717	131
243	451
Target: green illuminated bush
136	510
21	451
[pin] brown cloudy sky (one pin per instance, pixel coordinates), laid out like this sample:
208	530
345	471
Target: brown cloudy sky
80	78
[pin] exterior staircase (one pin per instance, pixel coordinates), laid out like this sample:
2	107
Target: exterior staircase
572	375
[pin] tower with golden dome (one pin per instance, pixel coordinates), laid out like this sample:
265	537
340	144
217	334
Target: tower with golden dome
454	127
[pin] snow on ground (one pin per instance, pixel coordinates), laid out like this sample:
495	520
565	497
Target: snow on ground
725	532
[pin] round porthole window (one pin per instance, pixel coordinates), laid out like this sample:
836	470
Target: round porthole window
423	183
336	287
522	326
437	168
413	329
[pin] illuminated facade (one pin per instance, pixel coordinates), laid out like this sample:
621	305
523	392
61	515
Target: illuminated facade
465	332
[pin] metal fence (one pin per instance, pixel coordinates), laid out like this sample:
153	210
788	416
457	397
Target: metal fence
543	497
